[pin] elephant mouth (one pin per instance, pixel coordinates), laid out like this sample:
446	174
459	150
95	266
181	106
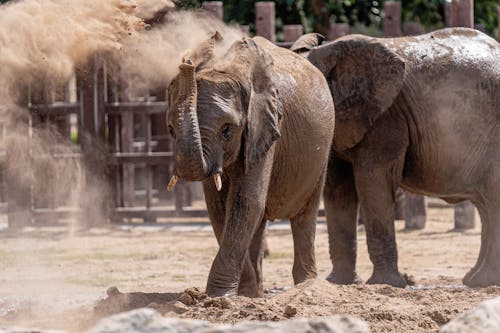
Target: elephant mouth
215	175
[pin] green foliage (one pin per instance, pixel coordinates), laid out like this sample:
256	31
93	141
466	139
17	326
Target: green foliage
367	12
362	15
485	13
430	13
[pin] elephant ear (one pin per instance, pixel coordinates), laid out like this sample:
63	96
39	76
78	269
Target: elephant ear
264	108
204	54
306	42
365	78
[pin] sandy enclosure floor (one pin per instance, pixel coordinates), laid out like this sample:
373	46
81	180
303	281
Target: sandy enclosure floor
51	278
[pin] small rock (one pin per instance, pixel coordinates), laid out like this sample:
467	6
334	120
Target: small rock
218	302
196	293
226	303
180	307
150	321
484	318
112	291
186	299
290	311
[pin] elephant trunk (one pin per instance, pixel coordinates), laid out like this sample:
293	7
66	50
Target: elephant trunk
190	163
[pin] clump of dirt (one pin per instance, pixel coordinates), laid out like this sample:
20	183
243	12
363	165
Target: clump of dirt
385	308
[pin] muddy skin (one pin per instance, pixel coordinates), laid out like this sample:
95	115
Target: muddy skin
416	112
251	131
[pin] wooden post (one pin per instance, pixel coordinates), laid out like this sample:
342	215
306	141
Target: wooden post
338	30
321	16
392	19
91	135
214	8
265	20
399	209
413	28
462	15
498	14
114	175
415	211
292	32
128	169
464	215
17	170
149	168
447	13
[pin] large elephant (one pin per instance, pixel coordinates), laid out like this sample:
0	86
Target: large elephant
419	112
248	126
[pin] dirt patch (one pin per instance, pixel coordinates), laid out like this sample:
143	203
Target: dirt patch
53	280
387	309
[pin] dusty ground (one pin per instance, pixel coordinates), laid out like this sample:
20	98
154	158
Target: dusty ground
52	278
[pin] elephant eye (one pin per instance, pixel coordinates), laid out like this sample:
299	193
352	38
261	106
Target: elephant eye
171	131
226	131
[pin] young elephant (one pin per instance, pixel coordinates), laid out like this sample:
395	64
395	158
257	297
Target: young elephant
249	127
420	112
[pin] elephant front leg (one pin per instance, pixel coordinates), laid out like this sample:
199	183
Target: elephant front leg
341	205
244	213
226	270
376	188
251	277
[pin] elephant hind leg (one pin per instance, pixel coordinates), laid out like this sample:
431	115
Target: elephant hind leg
341	205
487	269
304	233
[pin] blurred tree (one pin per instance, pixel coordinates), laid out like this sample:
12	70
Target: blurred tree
366	12
320	16
287	12
485	13
430	13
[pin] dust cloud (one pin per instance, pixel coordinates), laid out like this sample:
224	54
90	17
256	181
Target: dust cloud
42	43
151	58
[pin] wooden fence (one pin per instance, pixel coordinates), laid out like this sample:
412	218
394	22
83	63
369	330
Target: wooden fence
126	143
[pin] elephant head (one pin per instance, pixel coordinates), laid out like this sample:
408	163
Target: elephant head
222	110
365	77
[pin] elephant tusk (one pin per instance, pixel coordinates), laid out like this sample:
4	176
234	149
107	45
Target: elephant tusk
218	181
172	182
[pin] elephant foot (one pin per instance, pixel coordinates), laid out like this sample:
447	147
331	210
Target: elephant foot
482	277
351	278
251	291
394	279
217	292
468	275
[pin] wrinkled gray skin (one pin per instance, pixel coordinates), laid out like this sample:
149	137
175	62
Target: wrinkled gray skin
248	116
420	112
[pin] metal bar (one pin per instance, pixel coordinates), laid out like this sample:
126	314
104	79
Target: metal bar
148	171
137	107
153	158
155	213
57	109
